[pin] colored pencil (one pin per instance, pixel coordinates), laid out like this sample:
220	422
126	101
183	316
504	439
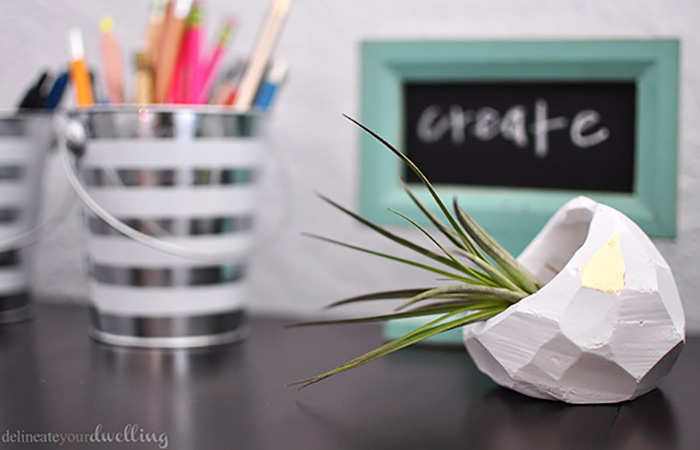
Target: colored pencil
191	49
111	61
274	79
143	92
213	63
256	68
172	40
225	93
176	94
156	22
172	66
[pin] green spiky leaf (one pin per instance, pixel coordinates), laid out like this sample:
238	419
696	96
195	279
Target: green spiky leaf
440	308
385	295
425	181
468	270
429	330
450	275
444	229
485	289
450	262
518	273
501	293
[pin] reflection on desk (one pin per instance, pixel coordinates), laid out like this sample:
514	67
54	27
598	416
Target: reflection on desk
54	378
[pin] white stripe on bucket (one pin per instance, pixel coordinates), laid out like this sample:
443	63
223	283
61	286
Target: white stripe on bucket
21	192
157	202
16	194
16	151
13	279
163	154
167	302
120	251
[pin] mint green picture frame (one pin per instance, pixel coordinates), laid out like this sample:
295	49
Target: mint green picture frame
653	65
514	216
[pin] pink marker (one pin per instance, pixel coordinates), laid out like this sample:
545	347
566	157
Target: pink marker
210	69
192	45
177	85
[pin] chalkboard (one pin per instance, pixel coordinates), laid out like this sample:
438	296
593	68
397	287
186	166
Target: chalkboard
554	135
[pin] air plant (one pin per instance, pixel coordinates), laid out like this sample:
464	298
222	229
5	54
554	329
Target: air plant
488	279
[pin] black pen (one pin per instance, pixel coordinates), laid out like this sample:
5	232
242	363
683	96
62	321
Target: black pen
35	96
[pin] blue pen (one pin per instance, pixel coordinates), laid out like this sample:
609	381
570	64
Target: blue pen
276	76
53	99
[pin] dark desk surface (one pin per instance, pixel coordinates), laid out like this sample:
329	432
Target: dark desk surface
54	378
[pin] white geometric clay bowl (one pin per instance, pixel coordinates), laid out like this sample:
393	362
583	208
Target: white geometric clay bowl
607	326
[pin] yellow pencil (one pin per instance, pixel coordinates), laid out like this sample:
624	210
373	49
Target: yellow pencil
143	81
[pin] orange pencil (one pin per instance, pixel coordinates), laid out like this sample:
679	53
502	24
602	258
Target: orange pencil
170	48
158	43
79	73
155	29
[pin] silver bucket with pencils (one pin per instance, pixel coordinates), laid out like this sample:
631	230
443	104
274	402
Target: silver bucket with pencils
24	143
170	198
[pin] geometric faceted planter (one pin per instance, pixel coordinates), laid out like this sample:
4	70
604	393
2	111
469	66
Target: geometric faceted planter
607	326
589	313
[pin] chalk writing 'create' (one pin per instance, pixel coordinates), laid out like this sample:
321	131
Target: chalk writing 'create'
486	123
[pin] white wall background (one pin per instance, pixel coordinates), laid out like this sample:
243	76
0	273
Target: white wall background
321	39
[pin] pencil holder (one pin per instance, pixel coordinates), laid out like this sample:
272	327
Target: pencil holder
170	200
24	143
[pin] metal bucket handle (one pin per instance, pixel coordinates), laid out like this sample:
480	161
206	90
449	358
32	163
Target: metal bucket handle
72	141
42	230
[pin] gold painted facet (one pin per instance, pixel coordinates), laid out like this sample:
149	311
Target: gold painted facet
605	271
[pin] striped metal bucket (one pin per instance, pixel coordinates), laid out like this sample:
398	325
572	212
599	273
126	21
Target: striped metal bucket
180	183
24	141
